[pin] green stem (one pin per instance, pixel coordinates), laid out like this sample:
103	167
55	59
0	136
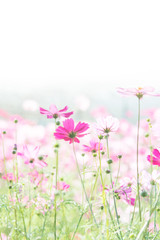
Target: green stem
16	154
105	200
55	199
44	223
84	186
65	220
155	227
143	229
77	226
119	163
138	127
103	194
114	200
95	183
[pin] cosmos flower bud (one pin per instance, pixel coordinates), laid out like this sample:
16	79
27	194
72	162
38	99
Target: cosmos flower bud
110	161
100	137
102	207
144	193
4	132
58	123
152	182
107	171
56	145
94	155
131	236
147	135
15	147
15	121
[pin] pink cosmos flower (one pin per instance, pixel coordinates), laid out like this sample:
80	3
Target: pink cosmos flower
37	178
55	113
155	158
9	177
124	193
31	157
139	92
62	186
69	132
107	125
94	147
147	179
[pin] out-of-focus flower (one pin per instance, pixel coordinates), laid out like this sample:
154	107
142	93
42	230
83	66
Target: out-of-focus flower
55	113
9	177
3	237
123	192
139	92
151	227
147	179
41	204
62	186
94	147
69	132
31	157
37	178
107	125
155	158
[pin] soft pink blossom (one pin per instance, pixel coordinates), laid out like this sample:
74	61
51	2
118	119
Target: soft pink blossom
139	92
123	192
94	146
31	157
69	132
37	178
107	125
62	186
148	179
55	113
9	177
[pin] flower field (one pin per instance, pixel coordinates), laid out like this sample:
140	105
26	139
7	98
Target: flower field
80	180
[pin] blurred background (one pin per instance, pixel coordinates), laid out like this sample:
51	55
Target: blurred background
77	53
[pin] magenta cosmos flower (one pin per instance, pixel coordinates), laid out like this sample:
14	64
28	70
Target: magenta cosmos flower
31	157
94	147
55	113
139	92
124	193
69	132
107	125
155	158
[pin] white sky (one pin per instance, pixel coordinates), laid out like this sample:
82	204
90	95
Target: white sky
63	42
